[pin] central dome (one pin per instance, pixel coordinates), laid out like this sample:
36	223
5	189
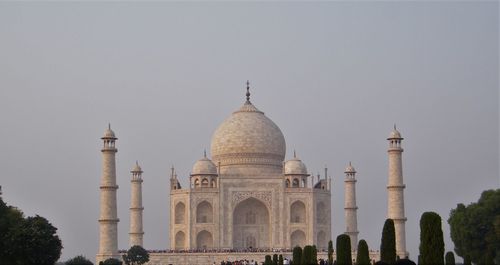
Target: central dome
248	137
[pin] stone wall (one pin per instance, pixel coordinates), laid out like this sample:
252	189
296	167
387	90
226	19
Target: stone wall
211	257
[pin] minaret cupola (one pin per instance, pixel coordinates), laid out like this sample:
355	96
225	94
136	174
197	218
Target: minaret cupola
204	173
295	172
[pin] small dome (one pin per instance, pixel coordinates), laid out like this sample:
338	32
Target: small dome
109	133
295	167
136	168
204	166
395	134
350	169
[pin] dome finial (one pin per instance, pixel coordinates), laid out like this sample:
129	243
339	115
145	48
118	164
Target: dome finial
109	125
294	154
394	126
248	91
205	153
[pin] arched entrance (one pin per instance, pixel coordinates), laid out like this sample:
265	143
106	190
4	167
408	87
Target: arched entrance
204	240
180	240
298	238
251	224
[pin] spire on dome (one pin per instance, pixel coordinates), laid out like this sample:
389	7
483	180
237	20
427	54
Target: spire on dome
248	91
294	154
205	153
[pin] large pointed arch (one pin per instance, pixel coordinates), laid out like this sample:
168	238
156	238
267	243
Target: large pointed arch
251	225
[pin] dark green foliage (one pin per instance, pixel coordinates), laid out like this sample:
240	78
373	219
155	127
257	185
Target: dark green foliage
431	239
344	250
297	255
268	260
111	261
467	260
275	259
404	262
314	259
280	260
450	258
330	252
136	255
381	263
472	228
363	257
79	260
307	255
31	240
388	244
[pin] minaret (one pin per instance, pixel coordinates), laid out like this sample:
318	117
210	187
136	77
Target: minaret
395	191
108	220
350	208
136	233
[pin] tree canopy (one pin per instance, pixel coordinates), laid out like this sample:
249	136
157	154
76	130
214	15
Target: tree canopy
388	244
31	240
431	239
344	250
363	256
475	229
79	260
136	255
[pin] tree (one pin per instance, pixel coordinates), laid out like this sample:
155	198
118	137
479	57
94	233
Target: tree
275	259
472	228
35	241
111	261
467	260
330	252
136	255
404	262
363	256
431	239
31	240
297	255
344	250
307	255
79	260
280	260
268	260
314	259
388	244
450	258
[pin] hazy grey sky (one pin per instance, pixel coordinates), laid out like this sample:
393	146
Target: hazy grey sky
334	76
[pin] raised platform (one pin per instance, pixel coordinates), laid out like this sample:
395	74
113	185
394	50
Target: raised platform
210	258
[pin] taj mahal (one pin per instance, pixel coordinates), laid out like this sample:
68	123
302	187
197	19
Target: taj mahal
246	196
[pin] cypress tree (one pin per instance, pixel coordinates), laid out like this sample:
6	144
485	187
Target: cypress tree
330	252
388	244
363	257
275	259
450	258
314	259
344	250
307	255
467	260
297	255
431	239
280	260
268	260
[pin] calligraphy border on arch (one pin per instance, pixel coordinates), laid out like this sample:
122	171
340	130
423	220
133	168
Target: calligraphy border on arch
239	196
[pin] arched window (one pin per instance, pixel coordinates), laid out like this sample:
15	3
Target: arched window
297	212
196	183
204	213
180	213
204	183
295	183
287	183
